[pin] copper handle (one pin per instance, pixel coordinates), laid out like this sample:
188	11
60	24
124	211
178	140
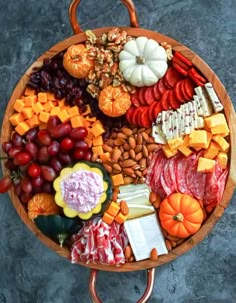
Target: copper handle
76	26
147	293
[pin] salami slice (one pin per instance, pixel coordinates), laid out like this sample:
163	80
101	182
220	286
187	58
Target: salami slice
221	182
168	180
181	171
172	170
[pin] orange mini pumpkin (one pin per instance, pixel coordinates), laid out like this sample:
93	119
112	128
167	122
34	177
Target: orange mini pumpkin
181	215
42	204
113	101
76	61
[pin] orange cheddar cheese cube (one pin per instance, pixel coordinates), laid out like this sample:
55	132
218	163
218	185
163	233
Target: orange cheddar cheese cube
63	116
19	105
113	209
37	107
117	180
48	106
97	129
16	118
220	129
105	157
44	117
30	100
50	97
33	121
97	150
215	120
199	139
168	151
175	142
212	151
97	141
29	92
87	111
120	218
77	121
91	119
223	144
42	97
107	218
22	128
222	159
27	112
73	111
55	111
185	150
205	165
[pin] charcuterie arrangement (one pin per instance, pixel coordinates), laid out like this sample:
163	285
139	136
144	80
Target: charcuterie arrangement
119	149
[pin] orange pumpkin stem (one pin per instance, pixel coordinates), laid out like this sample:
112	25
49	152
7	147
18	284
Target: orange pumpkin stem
178	217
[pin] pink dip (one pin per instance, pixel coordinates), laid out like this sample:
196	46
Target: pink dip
81	190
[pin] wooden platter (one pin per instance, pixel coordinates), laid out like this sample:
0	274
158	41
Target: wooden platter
229	113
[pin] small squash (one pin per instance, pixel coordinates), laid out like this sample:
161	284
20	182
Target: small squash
143	61
113	101
82	190
42	204
76	61
181	215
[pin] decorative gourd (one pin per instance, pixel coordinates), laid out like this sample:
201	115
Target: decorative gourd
143	61
42	204
57	227
181	215
113	101
76	61
82	190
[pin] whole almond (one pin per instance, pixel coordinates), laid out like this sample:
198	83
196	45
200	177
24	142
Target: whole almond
121	149
135	130
132	154
115	171
110	142
122	136
173	244
128	171
153	197
150	140
128	163
135	166
128	180
154	254
139	138
141	180
143	163
126	155
144	172
107	167
126	146
115	155
127	131
119	141
124	208
117	167
107	148
131	259
152	147
114	135
138	156
145	151
138	173
128	252
148	131
132	142
138	148
140	130
157	203
168	245
145	136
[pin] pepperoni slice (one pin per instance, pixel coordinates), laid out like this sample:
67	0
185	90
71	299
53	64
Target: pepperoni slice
177	92
141	96
173	101
181	63
129	114
182	88
196	80
189	88
151	115
165	100
134	99
195	73
156	92
161	86
179	69
136	115
144	118
157	109
182	58
172	76
149	96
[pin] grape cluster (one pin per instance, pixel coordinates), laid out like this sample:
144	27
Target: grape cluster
36	159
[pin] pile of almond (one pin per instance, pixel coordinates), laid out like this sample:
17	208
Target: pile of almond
128	153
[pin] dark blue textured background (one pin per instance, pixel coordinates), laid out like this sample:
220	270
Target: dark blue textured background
29	271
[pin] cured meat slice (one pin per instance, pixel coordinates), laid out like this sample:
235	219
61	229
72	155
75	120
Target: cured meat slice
168	179
172	76
172	170
221	181
181	170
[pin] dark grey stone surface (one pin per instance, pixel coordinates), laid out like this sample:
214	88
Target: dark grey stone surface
29	271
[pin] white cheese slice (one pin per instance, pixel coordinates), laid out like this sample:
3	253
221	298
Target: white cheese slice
205	102
169	129
181	122
191	118
175	124
194	114
200	122
141	198
157	134
199	106
187	129
217	106
138	210
133	188
144	234
159	118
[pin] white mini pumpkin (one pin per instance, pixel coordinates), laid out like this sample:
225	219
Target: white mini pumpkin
143	61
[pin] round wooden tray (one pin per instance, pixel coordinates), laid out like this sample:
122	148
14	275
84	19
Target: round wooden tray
210	76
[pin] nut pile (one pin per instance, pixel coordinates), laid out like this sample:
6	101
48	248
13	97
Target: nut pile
130	150
105	51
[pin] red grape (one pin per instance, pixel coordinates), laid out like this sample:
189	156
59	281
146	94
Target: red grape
65	158
56	164
48	188
22	158
78	154
82	145
31	134
16	139
6	146
5	184
78	133
61	130
10	165
43	155
25	197
87	155
48	173
32	148
26	185
13	151
53	148
53	121
67	144
34	170
38	181
44	137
